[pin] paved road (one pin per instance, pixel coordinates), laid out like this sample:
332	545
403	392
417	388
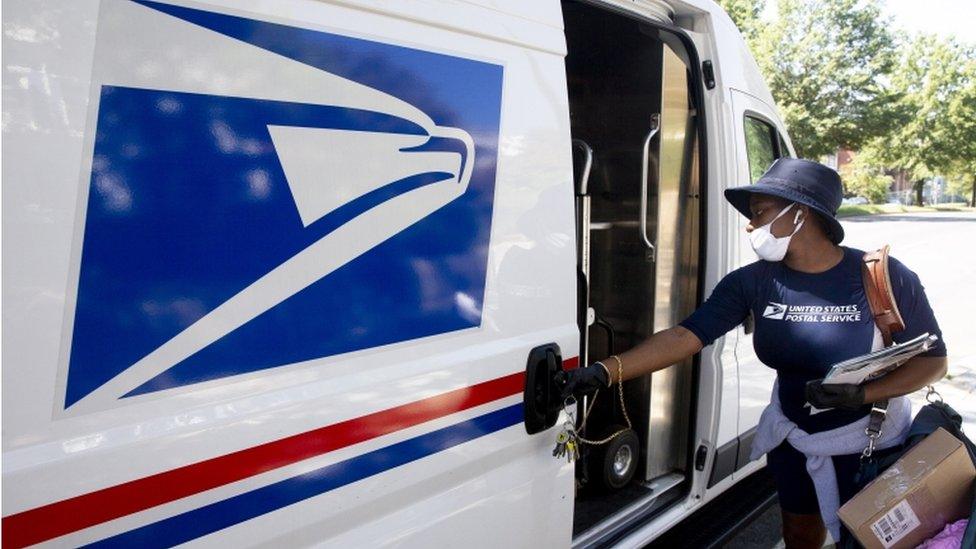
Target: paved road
941	248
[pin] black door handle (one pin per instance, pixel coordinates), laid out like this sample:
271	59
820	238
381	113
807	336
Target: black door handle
541	402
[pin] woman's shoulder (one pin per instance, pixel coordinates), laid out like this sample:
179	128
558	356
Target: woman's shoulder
755	269
895	267
902	278
905	282
749	277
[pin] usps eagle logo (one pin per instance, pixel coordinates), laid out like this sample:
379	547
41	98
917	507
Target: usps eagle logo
775	311
262	195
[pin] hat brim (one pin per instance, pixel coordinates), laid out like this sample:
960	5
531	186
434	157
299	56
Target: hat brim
739	198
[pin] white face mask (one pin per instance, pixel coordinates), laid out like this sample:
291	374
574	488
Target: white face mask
769	247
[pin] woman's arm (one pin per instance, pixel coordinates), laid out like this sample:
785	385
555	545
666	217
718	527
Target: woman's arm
910	377
919	318
657	352
727	307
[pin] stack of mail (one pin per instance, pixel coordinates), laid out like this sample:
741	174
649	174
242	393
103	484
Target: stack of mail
862	368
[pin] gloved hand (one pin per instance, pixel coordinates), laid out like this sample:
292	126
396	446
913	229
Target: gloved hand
581	381
845	396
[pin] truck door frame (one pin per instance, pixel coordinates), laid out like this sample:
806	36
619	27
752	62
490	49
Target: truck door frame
755	378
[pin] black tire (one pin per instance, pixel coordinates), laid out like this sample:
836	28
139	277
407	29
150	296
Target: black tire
604	466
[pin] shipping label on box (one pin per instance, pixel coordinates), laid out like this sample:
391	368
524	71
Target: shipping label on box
895	524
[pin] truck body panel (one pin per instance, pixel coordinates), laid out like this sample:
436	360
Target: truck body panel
272	271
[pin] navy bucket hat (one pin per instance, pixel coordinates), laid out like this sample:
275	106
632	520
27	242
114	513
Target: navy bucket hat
802	181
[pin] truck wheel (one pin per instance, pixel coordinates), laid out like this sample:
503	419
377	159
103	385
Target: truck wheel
613	464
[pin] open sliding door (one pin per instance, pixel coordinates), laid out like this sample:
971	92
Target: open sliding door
676	263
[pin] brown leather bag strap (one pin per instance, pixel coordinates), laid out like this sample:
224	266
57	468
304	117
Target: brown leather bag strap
881	298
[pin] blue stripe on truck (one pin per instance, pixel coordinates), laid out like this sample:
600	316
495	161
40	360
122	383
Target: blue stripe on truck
225	513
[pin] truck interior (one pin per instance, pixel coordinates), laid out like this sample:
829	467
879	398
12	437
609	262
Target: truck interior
635	130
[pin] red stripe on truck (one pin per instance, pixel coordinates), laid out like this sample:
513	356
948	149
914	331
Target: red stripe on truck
70	515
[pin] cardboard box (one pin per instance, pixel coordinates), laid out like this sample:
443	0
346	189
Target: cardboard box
930	486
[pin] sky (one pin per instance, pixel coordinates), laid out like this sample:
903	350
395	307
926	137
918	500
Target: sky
942	17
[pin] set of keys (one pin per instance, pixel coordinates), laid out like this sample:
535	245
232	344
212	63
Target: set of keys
567	443
568	440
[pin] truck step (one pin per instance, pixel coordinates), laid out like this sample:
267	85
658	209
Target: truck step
718	521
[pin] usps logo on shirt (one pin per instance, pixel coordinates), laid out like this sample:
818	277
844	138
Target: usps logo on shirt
775	311
262	195
812	313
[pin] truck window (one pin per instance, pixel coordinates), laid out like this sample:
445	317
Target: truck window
783	149
761	146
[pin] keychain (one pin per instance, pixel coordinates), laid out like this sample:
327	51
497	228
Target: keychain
567	443
567	440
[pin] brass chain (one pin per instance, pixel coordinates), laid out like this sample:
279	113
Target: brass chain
623	408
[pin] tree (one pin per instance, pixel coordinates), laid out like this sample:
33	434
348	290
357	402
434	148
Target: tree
962	111
840	79
936	112
864	179
964	184
745	15
822	60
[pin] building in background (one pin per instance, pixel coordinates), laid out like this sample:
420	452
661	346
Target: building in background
901	188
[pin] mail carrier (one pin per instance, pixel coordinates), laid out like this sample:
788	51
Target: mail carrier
284	273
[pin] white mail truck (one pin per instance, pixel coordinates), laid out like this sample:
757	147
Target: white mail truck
300	272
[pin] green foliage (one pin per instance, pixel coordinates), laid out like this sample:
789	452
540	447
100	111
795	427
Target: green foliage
821	60
962	113
963	184
848	210
936	113
759	148
841	79
933	77
867	181
745	14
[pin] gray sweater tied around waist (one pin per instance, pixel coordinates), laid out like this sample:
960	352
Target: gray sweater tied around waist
774	428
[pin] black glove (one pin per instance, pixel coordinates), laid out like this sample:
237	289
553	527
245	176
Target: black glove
845	396
582	381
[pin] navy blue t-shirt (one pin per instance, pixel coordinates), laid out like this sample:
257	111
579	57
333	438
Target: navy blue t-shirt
806	322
